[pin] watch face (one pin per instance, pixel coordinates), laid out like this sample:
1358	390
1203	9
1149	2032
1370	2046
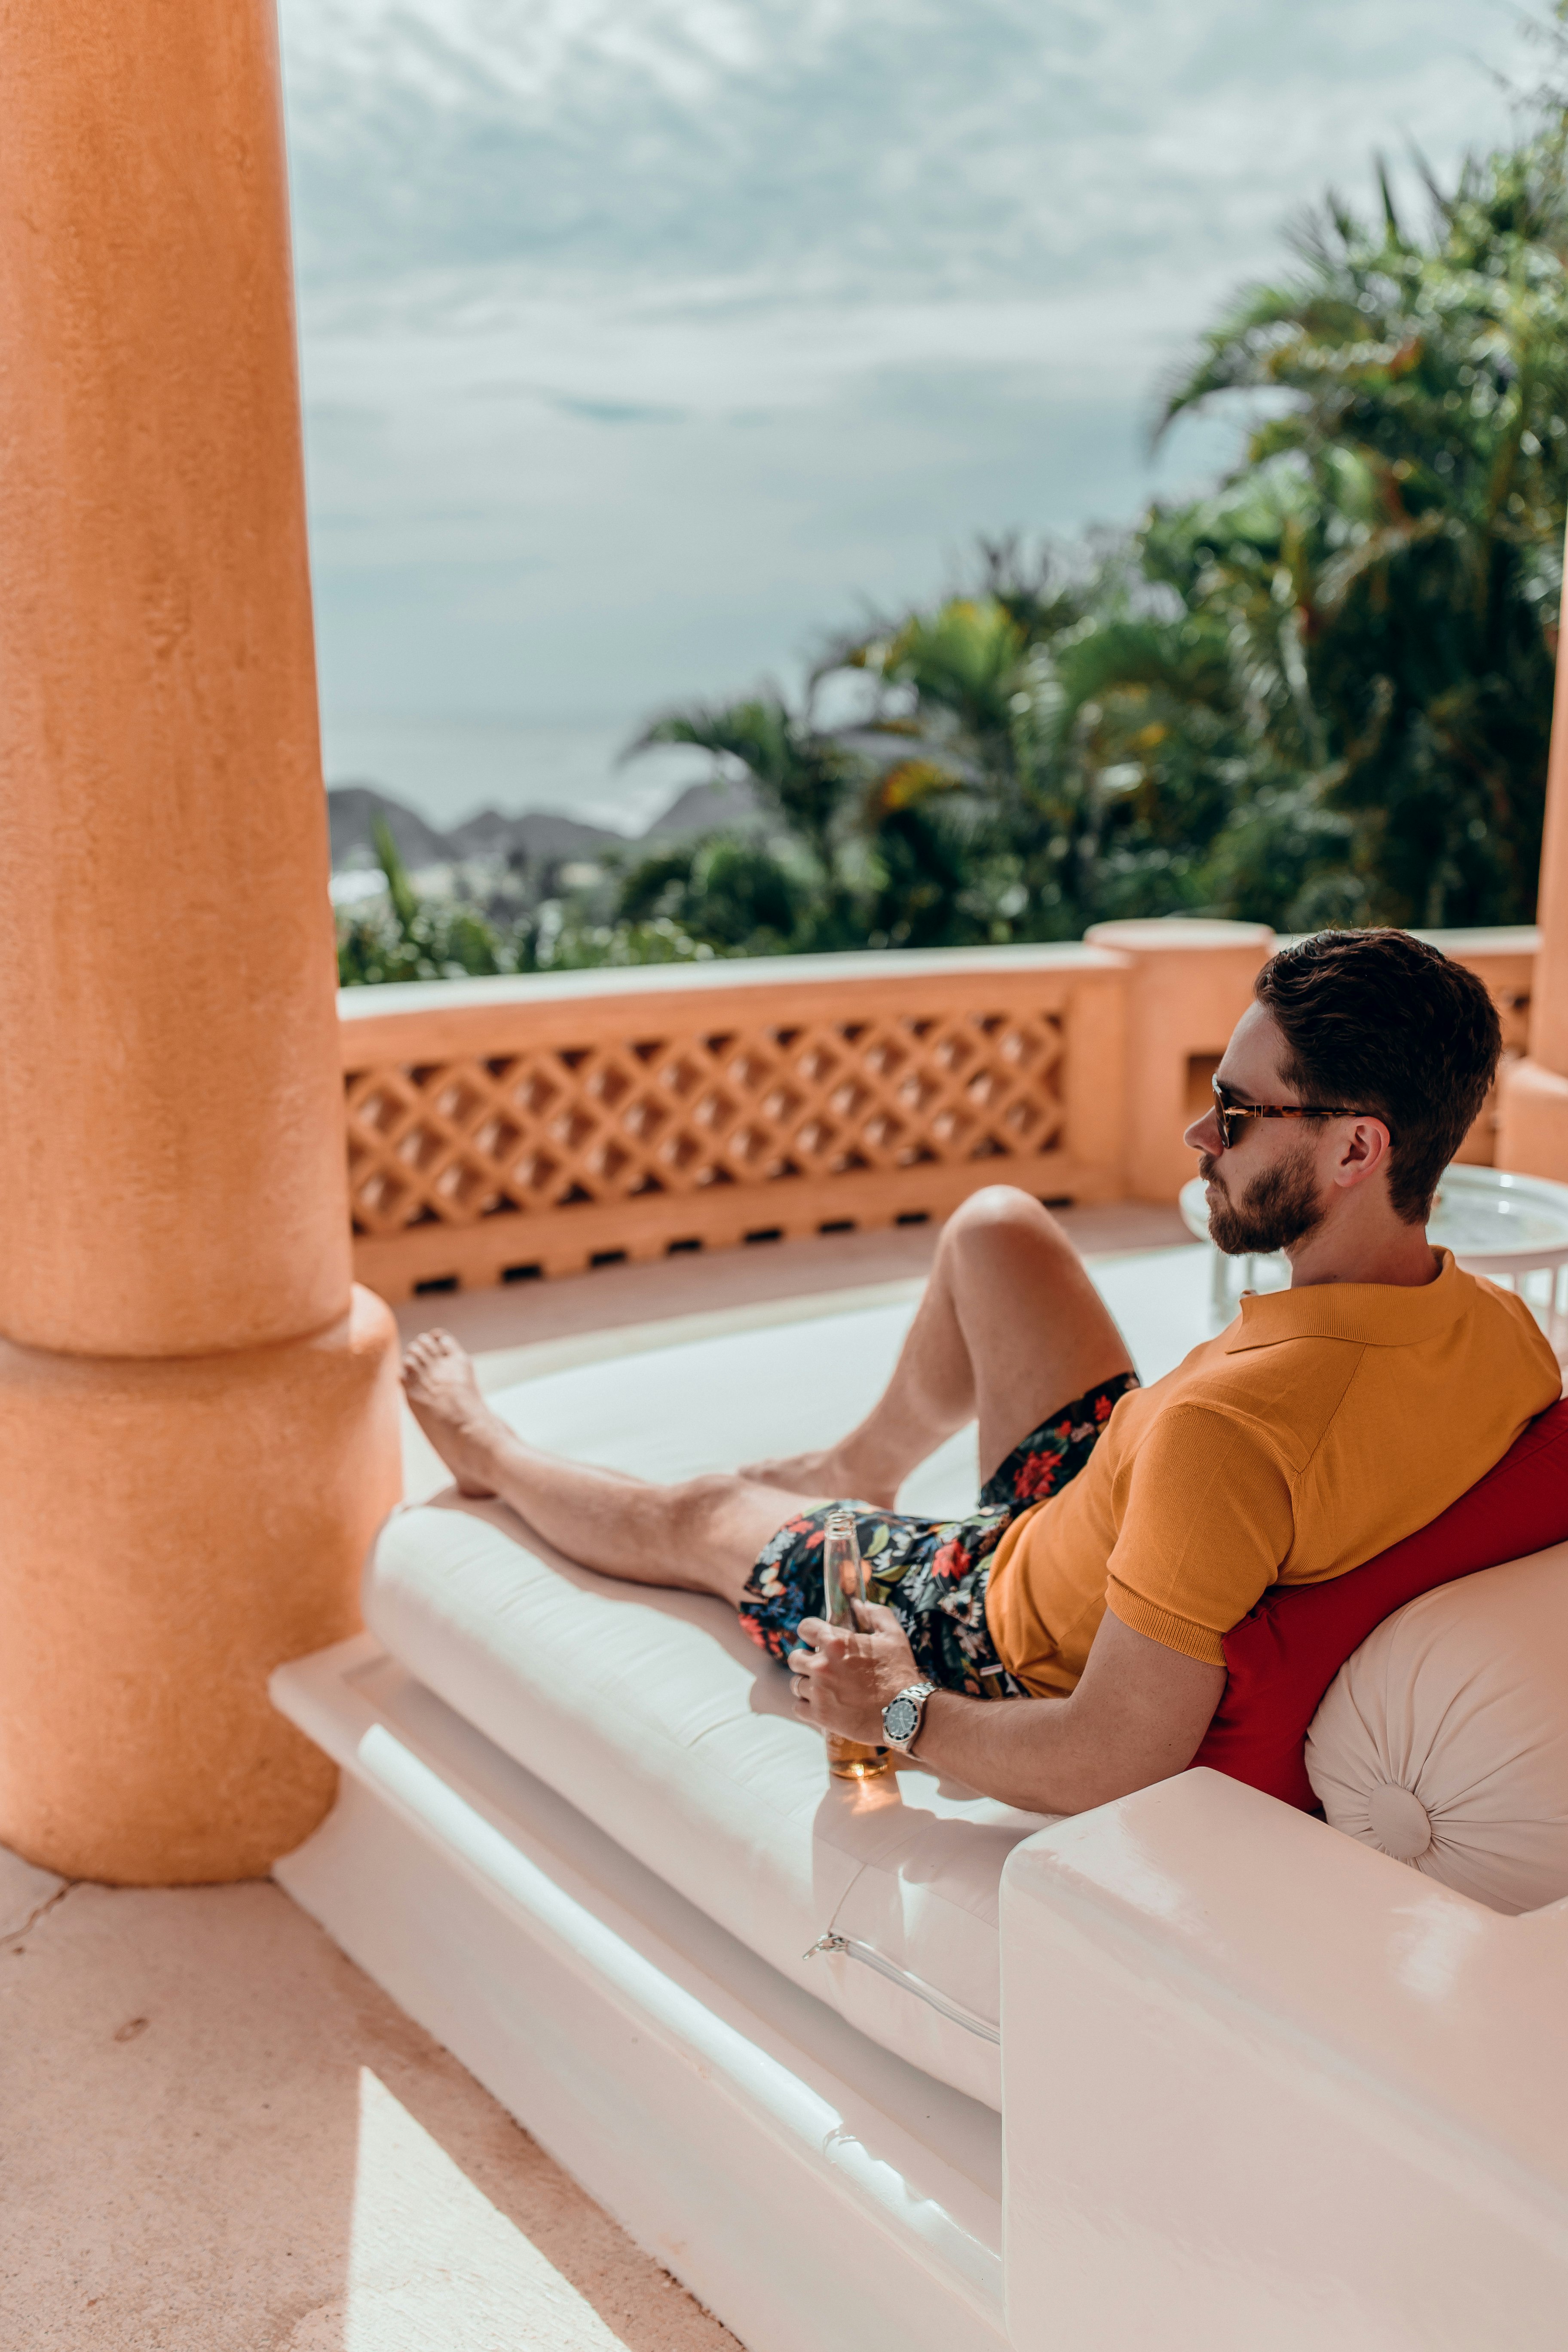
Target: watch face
900	1719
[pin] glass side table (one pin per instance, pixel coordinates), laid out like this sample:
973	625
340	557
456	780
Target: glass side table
1511	1228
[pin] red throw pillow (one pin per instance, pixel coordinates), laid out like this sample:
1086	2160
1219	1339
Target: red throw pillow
1282	1657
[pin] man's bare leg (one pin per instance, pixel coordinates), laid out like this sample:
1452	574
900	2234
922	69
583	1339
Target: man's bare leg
702	1535
1010	1327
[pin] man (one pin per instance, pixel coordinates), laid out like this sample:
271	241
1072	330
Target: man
1121	1531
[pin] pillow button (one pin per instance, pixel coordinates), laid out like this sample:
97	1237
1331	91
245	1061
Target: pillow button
1400	1821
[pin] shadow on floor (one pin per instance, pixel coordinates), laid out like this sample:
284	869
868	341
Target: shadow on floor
218	2135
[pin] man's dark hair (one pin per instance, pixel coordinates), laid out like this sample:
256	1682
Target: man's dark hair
1379	1022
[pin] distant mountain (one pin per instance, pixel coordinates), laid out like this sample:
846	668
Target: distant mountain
540	836
537	835
705	808
351	811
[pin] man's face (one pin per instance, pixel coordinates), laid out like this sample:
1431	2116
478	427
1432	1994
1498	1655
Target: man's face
1265	1193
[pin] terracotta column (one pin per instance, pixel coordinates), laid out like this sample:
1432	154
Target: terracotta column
1190	984
1533	1111
198	1421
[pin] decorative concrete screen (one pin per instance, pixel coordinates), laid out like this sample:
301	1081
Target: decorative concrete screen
499	1128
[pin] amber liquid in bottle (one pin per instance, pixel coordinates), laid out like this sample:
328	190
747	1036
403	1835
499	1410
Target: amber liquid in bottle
844	1583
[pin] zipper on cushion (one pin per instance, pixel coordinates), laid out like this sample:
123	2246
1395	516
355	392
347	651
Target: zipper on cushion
854	1949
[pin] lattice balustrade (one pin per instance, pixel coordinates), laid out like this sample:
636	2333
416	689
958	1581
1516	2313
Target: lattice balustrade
565	1126
659	1119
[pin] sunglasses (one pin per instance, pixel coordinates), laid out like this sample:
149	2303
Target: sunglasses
1226	1112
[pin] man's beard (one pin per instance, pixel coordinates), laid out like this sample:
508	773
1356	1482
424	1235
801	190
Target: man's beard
1277	1209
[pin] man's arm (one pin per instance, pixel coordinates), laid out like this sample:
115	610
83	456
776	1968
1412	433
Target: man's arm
1139	1714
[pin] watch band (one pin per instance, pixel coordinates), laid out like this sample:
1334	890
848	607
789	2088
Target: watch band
898	1729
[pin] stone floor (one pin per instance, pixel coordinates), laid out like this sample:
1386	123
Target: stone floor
217	2136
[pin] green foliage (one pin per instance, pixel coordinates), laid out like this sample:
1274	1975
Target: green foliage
738	895
409	937
1388	556
801	773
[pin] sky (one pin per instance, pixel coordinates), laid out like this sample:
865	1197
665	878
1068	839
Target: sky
645	345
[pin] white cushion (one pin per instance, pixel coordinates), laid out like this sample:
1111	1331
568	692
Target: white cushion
661	1721
1444	1740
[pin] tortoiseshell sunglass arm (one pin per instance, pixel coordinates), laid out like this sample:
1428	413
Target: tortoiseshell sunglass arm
1224	1112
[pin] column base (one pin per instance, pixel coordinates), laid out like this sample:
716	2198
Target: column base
1532	1122
176	1528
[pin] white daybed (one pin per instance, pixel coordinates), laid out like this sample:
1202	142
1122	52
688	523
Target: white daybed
1191	2070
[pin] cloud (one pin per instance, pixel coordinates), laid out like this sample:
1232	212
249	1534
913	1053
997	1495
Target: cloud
838	146
614	412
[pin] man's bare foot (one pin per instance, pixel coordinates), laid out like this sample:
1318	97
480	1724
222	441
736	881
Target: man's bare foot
443	1396
826	1473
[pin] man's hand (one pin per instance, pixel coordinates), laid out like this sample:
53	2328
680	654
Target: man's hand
1137	1715
844	1680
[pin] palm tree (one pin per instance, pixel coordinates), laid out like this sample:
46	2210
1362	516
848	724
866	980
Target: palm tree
809	784
1087	738
873	839
970	802
1388	554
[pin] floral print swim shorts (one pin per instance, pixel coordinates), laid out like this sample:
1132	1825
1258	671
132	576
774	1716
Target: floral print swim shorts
931	1573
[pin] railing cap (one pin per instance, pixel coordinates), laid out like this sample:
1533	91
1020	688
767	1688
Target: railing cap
723	972
1501	939
1178	934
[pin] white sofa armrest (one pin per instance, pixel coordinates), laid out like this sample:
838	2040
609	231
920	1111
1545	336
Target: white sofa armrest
1264	2086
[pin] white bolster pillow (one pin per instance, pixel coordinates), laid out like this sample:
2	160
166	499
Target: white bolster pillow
1442	1741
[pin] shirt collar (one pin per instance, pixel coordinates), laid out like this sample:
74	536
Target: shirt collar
1375	1314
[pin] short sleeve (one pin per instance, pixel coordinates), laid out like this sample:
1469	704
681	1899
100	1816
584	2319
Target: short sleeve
1206	1523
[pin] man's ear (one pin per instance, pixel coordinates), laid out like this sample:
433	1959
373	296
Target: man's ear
1362	1153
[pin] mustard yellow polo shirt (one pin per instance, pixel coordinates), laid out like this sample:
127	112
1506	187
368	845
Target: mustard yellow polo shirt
1323	1426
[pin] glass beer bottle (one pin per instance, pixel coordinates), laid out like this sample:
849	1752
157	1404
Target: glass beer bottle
844	1583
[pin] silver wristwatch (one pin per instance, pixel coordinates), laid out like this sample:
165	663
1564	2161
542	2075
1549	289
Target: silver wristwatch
903	1715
